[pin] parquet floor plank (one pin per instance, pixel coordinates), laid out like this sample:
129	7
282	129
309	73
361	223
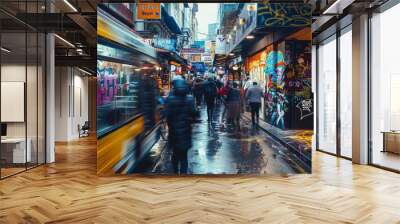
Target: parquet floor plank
69	191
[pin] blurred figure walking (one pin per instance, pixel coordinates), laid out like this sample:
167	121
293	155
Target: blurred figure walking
180	112
233	102
210	95
197	90
254	94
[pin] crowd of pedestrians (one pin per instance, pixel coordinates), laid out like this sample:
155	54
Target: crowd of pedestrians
187	97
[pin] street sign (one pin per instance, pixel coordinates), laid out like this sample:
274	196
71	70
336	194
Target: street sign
148	11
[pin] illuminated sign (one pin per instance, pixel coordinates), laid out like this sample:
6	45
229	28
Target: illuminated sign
149	11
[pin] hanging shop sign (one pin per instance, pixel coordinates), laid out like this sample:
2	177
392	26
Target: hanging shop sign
167	44
247	23
198	44
195	57
199	67
206	58
220	44
235	61
192	50
148	11
284	15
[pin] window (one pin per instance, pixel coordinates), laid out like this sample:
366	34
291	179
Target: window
385	89
327	95
117	95
346	93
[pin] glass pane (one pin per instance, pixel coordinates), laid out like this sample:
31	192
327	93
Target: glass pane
385	83
41	99
31	98
346	94
327	96
13	80
117	95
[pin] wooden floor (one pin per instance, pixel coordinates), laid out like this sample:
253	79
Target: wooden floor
70	192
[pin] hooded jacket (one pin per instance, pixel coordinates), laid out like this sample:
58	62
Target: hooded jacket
180	112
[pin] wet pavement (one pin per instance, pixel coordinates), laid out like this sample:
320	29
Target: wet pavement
220	149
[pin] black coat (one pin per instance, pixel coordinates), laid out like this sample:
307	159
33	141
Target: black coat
180	113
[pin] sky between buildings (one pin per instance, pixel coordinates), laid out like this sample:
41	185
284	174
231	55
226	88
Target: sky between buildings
207	14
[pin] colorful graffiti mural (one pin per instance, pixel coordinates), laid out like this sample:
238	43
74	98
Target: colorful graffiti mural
276	105
288	96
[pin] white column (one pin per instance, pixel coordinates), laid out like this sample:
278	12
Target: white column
360	90
50	101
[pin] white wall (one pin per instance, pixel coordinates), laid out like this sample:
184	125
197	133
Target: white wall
33	127
71	102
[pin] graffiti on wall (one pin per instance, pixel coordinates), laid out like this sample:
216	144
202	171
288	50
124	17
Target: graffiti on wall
284	15
288	96
276	103
305	107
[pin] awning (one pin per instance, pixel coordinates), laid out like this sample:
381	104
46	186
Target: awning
170	21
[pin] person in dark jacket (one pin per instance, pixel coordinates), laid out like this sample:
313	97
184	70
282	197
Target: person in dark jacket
233	102
197	90
180	112
210	94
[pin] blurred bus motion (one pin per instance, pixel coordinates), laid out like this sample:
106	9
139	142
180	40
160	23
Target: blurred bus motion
127	97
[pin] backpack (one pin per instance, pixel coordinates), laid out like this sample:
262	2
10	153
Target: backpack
210	90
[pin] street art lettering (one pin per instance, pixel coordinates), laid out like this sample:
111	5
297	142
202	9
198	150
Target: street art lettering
305	107
284	15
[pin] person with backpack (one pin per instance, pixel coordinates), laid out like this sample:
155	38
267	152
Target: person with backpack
180	112
210	94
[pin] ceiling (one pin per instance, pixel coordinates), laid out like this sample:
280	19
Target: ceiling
72	20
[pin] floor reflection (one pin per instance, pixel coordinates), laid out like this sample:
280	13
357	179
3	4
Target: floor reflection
219	149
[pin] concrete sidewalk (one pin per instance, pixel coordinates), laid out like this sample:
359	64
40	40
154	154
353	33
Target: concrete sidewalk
299	141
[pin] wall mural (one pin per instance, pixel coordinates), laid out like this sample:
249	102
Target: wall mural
288	97
143	129
284	15
276	103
